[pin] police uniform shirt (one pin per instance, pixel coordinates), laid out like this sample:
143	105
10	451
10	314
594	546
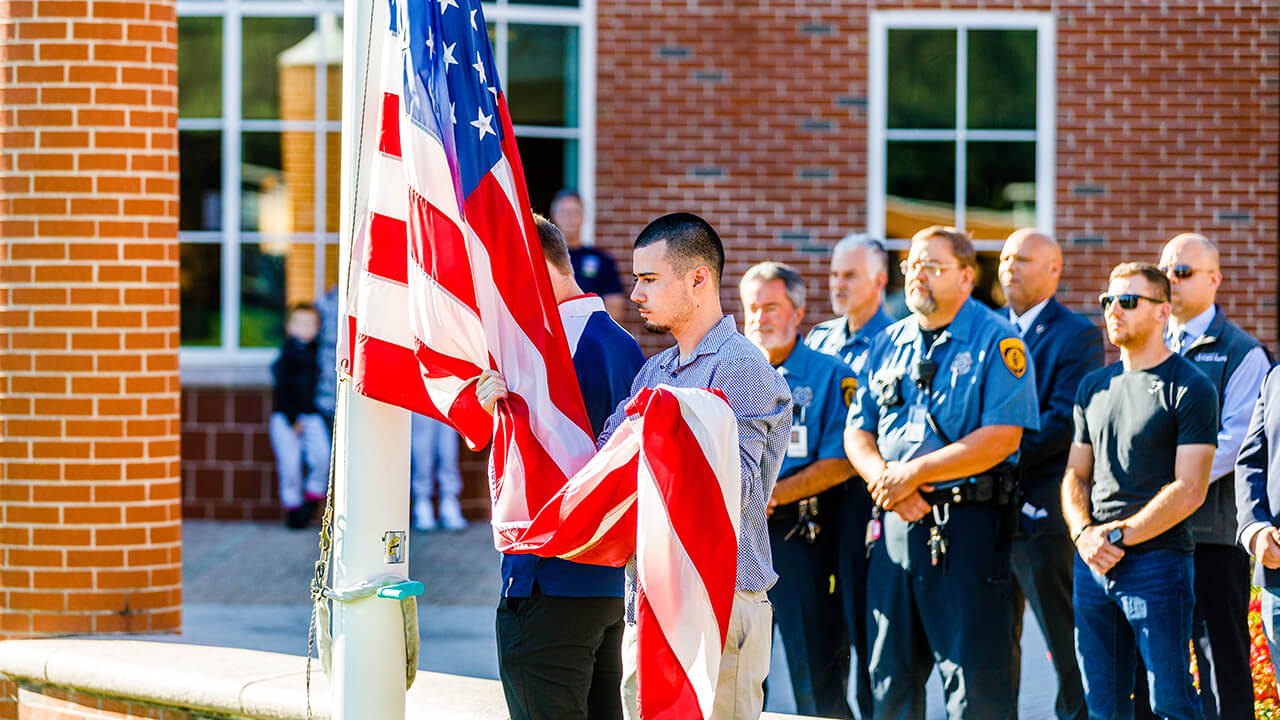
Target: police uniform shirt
982	378
822	389
1135	421
832	337
595	271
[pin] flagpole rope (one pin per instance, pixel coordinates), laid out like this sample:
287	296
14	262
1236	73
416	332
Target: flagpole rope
322	567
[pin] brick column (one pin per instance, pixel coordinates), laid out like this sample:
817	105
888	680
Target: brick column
90	525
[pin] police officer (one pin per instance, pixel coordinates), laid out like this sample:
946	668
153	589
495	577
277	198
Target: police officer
807	500
934	433
859	273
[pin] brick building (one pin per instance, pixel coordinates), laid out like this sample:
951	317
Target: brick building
1112	124
90	516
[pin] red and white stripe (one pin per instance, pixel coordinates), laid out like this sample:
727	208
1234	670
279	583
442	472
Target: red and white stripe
447	290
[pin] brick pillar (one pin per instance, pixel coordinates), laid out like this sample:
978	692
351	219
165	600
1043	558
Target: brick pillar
90	523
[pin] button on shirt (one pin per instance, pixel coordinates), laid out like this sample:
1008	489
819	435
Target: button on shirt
983	378
821	387
832	337
727	361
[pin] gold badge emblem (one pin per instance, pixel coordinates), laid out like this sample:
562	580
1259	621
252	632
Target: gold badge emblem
1014	355
849	388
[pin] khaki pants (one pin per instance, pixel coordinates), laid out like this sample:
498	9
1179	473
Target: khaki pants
743	667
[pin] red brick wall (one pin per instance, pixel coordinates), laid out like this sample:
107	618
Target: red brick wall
753	113
228	470
90	536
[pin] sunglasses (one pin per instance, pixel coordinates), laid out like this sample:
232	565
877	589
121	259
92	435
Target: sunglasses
1127	301
1182	272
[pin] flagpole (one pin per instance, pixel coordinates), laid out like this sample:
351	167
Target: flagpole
371	483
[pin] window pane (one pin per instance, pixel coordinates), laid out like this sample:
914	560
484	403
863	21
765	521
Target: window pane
1002	80
333	182
332	261
549	164
331	29
920	186
200	180
277	182
199	67
543	69
270	75
200	294
1000	188
922	79
262	293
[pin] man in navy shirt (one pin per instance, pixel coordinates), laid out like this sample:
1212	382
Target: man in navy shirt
593	269
560	623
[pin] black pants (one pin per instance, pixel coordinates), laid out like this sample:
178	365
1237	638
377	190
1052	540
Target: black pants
561	657
807	609
851	576
1042	569
1219	634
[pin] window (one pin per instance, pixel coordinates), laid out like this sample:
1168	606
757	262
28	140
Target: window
259	125
961	128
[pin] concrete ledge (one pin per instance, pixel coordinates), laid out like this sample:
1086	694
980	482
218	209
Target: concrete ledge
227	681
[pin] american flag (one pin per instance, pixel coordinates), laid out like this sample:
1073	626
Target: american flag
448	279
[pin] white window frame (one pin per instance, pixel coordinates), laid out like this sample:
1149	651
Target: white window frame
878	135
231	365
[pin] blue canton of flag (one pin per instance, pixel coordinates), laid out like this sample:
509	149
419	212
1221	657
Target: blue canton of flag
451	82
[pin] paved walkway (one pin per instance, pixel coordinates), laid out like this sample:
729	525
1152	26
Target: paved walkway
246	585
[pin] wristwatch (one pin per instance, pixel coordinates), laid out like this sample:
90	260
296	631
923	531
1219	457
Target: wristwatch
1116	537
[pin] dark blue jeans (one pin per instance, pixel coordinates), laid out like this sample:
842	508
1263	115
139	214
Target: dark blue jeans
1143	605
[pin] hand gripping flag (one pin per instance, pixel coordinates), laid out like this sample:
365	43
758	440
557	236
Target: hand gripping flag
448	279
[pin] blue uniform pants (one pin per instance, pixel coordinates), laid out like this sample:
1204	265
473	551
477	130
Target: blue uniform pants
1142	606
807	609
957	614
851	575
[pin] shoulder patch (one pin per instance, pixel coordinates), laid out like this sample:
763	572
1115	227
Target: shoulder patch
1014	355
848	388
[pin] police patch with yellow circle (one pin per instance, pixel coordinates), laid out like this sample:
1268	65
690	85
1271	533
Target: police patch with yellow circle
1014	354
848	388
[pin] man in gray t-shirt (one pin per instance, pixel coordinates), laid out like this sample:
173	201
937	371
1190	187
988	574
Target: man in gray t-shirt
1145	432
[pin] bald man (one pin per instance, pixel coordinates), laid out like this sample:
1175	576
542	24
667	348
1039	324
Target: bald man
1064	347
1237	364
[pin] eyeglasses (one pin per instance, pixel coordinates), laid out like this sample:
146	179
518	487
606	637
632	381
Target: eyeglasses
930	268
1182	272
1127	301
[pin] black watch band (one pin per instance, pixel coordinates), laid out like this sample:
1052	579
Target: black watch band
1116	537
1076	538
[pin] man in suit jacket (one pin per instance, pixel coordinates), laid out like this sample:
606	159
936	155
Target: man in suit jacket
1257	484
1064	347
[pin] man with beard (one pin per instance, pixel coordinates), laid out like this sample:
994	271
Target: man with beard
805	517
935	433
1145	433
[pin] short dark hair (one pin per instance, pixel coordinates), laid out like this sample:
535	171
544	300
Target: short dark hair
554	248
961	245
691	241
1158	280
565	194
296	308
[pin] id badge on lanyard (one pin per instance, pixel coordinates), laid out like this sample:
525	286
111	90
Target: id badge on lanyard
798	447
916	423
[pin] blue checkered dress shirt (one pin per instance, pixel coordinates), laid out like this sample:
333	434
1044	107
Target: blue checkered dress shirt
760	399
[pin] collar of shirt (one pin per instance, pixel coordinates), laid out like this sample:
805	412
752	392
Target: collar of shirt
710	343
580	305
797	362
1024	322
1194	328
961	326
870	328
